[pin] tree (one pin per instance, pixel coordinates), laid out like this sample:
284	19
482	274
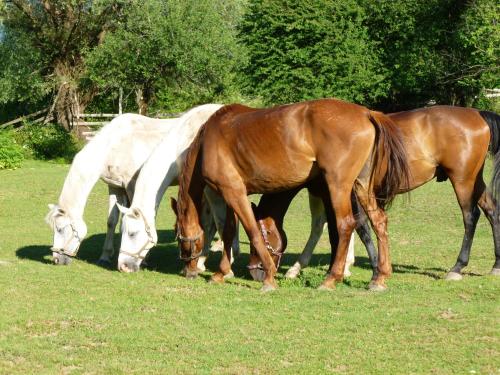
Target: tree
310	49
168	47
43	48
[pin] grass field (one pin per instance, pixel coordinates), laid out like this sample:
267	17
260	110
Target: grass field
83	319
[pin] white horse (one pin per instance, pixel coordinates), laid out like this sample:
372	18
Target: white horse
157	174
115	155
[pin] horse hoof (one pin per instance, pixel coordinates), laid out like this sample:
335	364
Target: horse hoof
347	273
103	263
217	278
229	275
257	274
373	287
453	276
267	288
326	287
292	273
495	272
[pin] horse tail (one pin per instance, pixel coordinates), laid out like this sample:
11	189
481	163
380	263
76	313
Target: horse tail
493	121
390	160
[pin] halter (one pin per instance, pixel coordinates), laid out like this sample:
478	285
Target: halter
272	250
137	255
192	246
62	251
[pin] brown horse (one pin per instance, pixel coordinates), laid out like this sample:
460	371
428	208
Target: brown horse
241	151
442	142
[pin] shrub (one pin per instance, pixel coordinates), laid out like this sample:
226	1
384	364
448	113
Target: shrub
48	142
11	154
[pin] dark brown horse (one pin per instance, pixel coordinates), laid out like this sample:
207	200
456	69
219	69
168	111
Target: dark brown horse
442	142
242	151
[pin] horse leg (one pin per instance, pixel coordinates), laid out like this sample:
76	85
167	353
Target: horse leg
345	223
363	230
489	207
468	193
209	229
115	195
318	221
218	207
227	235
236	198
378	219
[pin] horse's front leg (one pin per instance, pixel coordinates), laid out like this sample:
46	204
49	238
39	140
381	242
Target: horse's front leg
115	195
218	207
236	198
209	228
227	235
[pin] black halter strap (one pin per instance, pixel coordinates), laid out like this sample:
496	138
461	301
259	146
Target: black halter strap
272	250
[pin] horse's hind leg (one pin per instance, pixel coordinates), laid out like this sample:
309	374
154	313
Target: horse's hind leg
489	207
318	221
378	219
340	197
115	195
363	230
468	193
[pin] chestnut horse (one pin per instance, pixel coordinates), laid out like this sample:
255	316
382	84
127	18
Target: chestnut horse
242	151
442	142
270	214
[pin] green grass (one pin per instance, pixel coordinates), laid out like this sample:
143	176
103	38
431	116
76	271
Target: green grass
83	319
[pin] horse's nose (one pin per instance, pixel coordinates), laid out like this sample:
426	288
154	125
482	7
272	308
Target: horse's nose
128	266
61	259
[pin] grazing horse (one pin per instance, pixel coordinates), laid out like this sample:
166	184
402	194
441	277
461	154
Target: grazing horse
242	151
160	171
442	142
270	214
116	155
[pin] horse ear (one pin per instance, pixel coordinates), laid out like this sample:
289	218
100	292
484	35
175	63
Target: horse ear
121	208
173	204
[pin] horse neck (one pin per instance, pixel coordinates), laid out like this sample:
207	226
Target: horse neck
276	205
158	173
84	172
191	186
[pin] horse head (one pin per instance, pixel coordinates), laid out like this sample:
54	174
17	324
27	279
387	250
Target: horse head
274	240
191	241
138	237
68	234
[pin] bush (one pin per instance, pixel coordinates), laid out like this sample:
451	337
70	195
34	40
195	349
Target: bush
48	142
11	154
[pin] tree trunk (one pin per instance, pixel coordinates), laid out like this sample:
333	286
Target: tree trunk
67	106
143	96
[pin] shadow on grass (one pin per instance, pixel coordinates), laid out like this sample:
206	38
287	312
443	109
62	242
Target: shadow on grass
164	258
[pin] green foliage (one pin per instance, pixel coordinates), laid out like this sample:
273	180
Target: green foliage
11	154
49	141
446	50
158	49
303	50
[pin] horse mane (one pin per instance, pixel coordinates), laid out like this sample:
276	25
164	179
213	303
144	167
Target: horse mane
191	163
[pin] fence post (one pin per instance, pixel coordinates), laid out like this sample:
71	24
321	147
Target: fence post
120	99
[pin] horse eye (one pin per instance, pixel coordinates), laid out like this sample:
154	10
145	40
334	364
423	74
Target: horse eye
132	234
